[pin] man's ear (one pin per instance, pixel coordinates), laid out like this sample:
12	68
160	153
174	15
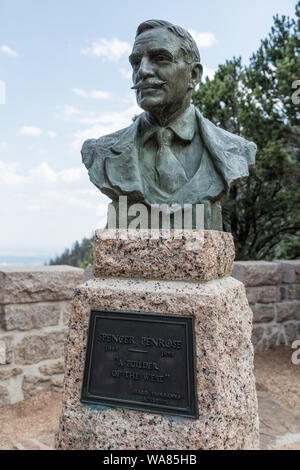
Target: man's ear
196	74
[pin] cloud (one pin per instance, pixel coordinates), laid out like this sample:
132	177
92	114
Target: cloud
203	40
42	174
36	131
111	49
209	73
8	51
70	111
4	145
95	94
51	133
47	183
104	123
30	130
126	73
9	175
53	207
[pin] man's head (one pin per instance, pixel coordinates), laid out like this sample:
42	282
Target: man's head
166	67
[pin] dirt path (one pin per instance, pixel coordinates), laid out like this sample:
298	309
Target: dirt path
31	424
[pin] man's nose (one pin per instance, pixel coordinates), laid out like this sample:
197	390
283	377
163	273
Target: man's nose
145	68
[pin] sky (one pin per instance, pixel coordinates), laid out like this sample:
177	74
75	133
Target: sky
65	77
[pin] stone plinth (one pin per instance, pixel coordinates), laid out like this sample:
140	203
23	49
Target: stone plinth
224	363
209	256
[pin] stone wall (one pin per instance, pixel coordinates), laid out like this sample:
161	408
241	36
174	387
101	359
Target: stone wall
273	292
34	311
35	307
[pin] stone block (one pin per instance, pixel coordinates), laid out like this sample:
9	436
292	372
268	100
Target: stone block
257	273
67	310
35	348
6	349
291	333
30	316
88	273
263	294
290	270
289	310
4	396
209	257
293	291
273	340
263	313
257	335
224	369
38	284
57	382
52	368
7	373
32	385
2	352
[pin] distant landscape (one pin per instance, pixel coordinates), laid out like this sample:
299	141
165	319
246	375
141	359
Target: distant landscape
11	261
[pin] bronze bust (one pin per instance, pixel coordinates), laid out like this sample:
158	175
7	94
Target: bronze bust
170	154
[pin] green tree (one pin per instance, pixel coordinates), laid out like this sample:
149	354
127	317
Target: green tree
80	254
255	101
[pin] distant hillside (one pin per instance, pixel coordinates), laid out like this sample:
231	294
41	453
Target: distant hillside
80	255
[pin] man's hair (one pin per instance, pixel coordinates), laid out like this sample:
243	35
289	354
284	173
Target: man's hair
187	42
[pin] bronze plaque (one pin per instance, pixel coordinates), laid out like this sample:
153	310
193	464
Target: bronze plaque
143	361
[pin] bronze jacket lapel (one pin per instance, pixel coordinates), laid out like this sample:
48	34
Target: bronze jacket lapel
122	168
231	154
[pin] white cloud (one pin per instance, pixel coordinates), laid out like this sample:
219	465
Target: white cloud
70	175
95	94
126	73
53	207
203	40
30	130
69	111
43	173
8	51
112	49
9	175
104	123
36	131
209	73
51	134
3	145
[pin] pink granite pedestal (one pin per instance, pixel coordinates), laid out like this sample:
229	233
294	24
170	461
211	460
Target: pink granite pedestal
226	393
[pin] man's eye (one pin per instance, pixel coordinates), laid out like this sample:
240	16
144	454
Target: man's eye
161	58
135	63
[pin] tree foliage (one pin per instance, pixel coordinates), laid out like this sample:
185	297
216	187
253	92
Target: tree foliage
255	101
80	254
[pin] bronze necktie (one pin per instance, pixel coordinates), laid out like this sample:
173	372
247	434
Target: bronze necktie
171	174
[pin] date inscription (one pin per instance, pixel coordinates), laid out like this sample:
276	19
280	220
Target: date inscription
141	361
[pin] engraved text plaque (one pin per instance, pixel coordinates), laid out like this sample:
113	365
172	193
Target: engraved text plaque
142	361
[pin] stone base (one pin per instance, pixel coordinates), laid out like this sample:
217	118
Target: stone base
226	394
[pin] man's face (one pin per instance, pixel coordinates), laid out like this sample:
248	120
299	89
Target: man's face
160	73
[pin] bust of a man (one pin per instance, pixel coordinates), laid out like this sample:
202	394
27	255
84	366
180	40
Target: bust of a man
171	155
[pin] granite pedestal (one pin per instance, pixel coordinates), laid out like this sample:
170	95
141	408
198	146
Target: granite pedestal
170	277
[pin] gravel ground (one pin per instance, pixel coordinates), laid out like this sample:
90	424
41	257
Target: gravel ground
275	373
278	385
32	418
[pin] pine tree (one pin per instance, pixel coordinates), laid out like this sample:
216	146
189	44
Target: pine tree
255	101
